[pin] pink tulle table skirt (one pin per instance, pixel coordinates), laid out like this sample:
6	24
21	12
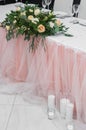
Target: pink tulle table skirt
58	70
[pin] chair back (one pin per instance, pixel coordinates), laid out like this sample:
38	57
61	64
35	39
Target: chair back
82	11
75	10
63	5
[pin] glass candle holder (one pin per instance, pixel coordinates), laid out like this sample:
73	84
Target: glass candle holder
63	105
69	111
51	107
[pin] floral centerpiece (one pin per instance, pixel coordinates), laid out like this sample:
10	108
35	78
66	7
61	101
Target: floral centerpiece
31	21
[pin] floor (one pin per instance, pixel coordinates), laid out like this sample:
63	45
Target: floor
17	114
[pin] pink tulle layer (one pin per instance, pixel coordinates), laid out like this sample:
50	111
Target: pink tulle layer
58	70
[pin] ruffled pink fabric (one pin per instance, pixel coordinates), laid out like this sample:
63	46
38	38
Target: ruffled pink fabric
59	70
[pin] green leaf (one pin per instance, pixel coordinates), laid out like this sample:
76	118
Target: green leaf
68	35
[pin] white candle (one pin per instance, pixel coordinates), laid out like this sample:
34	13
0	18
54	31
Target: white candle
51	106
69	111
63	104
51	101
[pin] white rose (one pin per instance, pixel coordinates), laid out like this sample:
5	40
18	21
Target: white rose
51	24
30	17
14	21
7	27
18	9
36	19
37	12
34	22
23	13
30	10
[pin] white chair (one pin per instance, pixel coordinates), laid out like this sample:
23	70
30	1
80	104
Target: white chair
63	5
82	10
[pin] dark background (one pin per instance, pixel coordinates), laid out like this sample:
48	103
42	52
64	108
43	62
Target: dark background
76	1
38	2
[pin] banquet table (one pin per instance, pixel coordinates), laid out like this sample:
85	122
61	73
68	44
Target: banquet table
58	70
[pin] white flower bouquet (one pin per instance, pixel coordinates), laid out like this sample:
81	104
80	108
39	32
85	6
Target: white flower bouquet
31	21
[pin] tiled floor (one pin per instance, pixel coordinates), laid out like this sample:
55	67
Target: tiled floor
17	114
